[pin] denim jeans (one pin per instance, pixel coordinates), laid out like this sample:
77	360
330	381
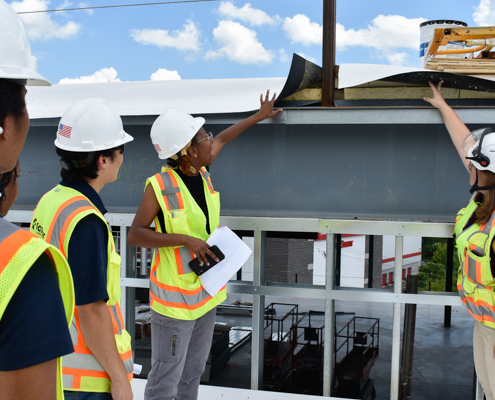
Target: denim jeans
75	395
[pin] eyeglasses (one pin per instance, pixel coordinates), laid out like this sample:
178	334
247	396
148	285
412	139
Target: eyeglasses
209	136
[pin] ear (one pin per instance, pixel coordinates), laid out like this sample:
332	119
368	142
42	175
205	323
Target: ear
192	151
102	162
8	127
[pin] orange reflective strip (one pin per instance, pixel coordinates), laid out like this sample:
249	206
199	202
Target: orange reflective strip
62	206
126	355
478	271
180	305
466	263
76	381
178	194
168	288
481	318
67	223
161	185
12	244
78	373
178	261
481	303
80	339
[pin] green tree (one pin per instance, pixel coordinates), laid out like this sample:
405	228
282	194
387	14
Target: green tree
433	269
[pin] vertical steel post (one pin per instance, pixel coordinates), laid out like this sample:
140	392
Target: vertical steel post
371	261
128	256
328	54
258	317
449	275
394	375
328	355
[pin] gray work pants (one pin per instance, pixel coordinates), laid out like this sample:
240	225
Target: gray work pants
179	351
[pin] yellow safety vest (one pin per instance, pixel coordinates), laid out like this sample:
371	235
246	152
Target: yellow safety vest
475	282
55	219
19	250
176	291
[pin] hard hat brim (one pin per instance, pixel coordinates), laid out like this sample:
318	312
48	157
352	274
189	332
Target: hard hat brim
30	77
126	139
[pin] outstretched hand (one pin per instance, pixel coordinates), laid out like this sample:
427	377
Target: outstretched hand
266	109
437	100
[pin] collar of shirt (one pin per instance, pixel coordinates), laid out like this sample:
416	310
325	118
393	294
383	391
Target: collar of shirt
89	192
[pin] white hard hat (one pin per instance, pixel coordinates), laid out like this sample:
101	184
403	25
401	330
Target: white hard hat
173	130
16	61
90	125
482	154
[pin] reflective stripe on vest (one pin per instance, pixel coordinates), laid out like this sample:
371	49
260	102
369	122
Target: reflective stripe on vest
475	282
64	216
19	250
179	294
61	209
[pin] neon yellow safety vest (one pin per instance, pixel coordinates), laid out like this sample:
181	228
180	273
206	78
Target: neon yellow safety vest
176	291
55	218
19	250
475	282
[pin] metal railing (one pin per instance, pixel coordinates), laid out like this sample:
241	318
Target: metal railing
259	288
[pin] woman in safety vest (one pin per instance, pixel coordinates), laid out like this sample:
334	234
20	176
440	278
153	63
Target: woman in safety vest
90	141
474	233
186	210
36	292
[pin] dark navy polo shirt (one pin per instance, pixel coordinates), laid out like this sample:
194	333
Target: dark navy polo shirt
88	254
34	328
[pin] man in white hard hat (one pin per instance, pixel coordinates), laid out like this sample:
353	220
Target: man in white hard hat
90	141
36	291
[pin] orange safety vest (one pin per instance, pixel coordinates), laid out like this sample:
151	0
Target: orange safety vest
175	290
55	218
19	250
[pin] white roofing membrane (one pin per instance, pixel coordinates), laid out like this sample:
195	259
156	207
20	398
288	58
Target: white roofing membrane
195	96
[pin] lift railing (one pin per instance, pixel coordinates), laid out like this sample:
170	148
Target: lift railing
259	288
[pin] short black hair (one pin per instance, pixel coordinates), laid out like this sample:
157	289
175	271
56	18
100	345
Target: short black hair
78	167
12	99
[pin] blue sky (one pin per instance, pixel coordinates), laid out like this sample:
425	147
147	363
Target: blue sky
225	39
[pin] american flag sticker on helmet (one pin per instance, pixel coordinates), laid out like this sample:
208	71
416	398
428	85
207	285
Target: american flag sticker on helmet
64	130
157	147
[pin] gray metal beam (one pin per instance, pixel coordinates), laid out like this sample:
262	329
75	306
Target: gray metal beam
344	163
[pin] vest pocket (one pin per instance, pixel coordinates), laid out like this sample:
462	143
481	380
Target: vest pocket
477	243
178	222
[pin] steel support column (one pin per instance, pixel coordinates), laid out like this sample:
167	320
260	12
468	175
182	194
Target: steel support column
328	56
328	356
257	347
394	373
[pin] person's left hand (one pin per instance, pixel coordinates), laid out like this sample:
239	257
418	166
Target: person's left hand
266	109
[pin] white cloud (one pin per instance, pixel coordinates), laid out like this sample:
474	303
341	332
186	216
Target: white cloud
163	74
300	29
397	58
41	25
185	39
283	56
239	44
484	14
385	33
248	14
104	75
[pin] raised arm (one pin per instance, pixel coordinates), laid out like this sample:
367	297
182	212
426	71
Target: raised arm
266	111
457	129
